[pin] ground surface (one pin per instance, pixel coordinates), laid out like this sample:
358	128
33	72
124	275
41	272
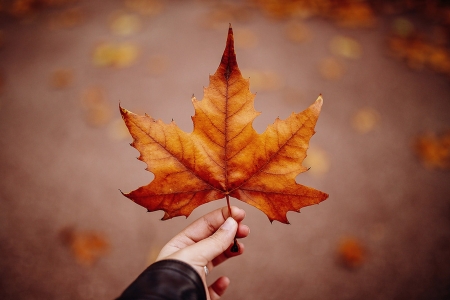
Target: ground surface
64	159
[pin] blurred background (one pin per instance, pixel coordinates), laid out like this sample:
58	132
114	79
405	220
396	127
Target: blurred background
382	147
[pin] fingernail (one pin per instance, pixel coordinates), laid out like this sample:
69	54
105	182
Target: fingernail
228	225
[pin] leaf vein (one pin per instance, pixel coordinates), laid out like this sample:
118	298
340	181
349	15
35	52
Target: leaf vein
175	157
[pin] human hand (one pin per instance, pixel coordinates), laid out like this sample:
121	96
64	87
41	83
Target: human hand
207	242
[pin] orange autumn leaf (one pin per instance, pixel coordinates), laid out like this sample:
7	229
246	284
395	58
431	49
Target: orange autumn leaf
86	246
224	156
351	252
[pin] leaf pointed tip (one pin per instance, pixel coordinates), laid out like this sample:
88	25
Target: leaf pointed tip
166	216
280	219
228	63
319	100
123	111
286	222
126	195
317	105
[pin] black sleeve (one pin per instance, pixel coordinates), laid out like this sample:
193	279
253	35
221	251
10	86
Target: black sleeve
166	280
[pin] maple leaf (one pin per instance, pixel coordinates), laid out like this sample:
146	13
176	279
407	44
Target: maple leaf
224	156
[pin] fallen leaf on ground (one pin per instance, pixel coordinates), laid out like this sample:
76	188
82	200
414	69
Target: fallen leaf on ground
434	150
86	246
354	14
418	52
412	50
351	252
365	120
346	47
439	59
224	156
115	55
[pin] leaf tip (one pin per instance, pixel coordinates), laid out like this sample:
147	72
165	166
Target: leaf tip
319	100
122	110
281	219
126	195
228	63
166	216
286	222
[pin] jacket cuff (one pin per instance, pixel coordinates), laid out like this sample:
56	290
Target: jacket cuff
167	279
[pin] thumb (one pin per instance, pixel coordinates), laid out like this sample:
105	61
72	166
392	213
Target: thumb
216	244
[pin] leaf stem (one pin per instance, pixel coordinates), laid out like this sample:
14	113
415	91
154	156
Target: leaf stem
235	247
228	204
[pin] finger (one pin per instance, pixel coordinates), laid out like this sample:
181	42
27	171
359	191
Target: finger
206	250
243	231
226	255
218	288
201	229
209	223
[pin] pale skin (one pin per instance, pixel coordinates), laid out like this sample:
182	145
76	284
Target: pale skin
207	242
